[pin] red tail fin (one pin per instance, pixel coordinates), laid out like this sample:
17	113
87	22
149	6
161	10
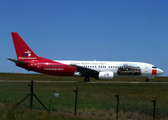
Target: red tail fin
23	51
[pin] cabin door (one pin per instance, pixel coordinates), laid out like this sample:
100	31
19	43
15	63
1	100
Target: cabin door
38	66
146	68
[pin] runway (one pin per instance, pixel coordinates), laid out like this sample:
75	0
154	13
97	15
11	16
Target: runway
91	82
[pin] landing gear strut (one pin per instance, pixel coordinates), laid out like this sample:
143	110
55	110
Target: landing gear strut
87	79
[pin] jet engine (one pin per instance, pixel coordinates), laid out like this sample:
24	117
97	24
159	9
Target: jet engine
106	75
77	74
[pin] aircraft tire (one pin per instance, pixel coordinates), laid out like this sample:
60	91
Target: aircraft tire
87	79
147	80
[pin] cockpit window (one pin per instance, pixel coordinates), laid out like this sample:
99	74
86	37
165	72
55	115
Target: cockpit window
154	67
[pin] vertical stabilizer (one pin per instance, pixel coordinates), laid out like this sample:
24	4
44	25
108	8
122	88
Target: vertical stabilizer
23	51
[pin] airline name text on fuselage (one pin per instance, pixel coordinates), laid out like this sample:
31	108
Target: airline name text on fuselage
85	63
30	58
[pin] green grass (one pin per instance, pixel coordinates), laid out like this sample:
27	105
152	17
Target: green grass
9	112
92	98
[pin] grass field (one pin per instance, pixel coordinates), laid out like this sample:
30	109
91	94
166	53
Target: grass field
95	101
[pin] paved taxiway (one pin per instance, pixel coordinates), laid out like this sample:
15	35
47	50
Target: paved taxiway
112	82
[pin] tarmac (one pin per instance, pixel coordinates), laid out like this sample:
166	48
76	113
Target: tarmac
91	82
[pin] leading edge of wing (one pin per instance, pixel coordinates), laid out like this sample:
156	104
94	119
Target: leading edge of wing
85	70
17	61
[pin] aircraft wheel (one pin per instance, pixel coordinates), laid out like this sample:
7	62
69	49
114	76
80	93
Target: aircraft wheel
87	79
147	80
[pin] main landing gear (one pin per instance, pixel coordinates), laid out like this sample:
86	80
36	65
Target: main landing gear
87	79
147	80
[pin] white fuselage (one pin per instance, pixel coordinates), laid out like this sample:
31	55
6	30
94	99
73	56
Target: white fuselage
121	68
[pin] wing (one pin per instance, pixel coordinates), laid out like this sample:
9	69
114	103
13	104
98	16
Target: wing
86	72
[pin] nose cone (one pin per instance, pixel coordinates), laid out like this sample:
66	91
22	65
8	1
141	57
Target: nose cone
160	71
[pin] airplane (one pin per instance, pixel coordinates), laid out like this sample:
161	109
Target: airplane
101	70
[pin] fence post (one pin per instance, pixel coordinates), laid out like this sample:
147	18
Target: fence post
117	105
31	95
76	99
154	101
31	98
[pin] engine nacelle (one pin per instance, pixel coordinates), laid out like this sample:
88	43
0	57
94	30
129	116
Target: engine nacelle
77	74
106	75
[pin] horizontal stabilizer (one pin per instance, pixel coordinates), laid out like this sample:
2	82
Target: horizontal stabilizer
17	61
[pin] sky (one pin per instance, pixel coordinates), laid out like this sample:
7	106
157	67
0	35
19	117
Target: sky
104	30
